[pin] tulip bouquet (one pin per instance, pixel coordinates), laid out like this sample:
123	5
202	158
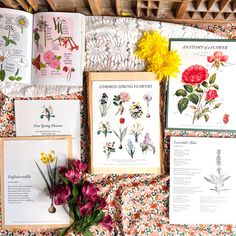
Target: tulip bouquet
86	205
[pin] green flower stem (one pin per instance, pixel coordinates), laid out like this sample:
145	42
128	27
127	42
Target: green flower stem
198	106
17	71
2	67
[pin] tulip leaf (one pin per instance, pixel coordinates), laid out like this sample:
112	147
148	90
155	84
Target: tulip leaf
181	92
65	180
99	217
45	179
2	75
182	104
193	98
188	88
64	231
75	191
87	232
212	79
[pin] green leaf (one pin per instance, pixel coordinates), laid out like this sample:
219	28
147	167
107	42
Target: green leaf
206	117
12	78
199	90
87	232
42	65
212	79
215	86
115	103
7	43
41	116
181	92
182	104
205	110
36	36
64	231
19	78
193	98
42	174
58	57
188	88
65	180
205	84
217	105
75	191
99	217
2	75
193	107
5	38
12	42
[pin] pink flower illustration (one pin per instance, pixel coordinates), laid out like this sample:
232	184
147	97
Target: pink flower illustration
90	192
124	97
73	176
48	56
86	209
217	59
55	64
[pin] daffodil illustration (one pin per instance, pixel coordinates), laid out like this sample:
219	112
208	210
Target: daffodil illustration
22	22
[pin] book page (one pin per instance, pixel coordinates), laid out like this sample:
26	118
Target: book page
202	180
201	97
15	46
58	48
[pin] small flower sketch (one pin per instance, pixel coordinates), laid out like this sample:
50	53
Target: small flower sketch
218	58
22	22
103	104
47	113
136	131
8	40
130	148
122	132
42	27
136	110
20	62
104	128
108	148
67	42
118	100
147	144
4	57
147	98
58	23
49	178
218	180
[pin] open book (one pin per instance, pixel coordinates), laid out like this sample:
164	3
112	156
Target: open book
44	48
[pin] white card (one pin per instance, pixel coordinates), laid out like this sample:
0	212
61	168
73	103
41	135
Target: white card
49	117
202	181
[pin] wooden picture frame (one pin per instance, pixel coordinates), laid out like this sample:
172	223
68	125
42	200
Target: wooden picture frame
35	141
133	85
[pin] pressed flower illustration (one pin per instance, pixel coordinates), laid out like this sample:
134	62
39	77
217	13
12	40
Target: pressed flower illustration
47	113
147	98
135	110
108	148
20	62
122	132
42	27
36	36
58	23
4	57
217	59
49	178
68	70
104	128
37	63
219	179
118	100
67	42
22	22
7	38
200	89
103	104
52	60
130	148
136	130
147	144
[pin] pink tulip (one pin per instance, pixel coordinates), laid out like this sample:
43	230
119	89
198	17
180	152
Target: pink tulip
86	209
90	192
62	195
73	176
107	222
80	166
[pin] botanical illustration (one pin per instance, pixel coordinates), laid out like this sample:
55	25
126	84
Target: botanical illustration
52	60
147	98
67	42
103	104
136	110
121	133
20	62
4	57
219	178
36	36
22	22
136	131
50	161
118	101
58	23
200	90
147	144
130	148
109	148
104	128
68	70
7	38
47	113
42	27
37	64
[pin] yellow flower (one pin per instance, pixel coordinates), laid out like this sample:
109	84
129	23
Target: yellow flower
44	158
153	48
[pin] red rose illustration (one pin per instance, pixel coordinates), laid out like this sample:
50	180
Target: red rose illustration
122	120
195	75
226	118
211	94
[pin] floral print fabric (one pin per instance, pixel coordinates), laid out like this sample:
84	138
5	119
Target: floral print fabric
137	203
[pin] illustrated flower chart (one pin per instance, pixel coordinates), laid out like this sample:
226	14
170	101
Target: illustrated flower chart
199	91
127	130
47	113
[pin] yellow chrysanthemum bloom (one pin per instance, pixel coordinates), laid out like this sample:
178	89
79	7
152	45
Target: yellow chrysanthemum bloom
153	48
44	158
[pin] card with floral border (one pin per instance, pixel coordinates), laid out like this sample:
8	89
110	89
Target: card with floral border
201	96
125	127
28	174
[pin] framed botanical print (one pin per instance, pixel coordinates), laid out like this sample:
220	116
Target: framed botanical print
25	196
125	123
